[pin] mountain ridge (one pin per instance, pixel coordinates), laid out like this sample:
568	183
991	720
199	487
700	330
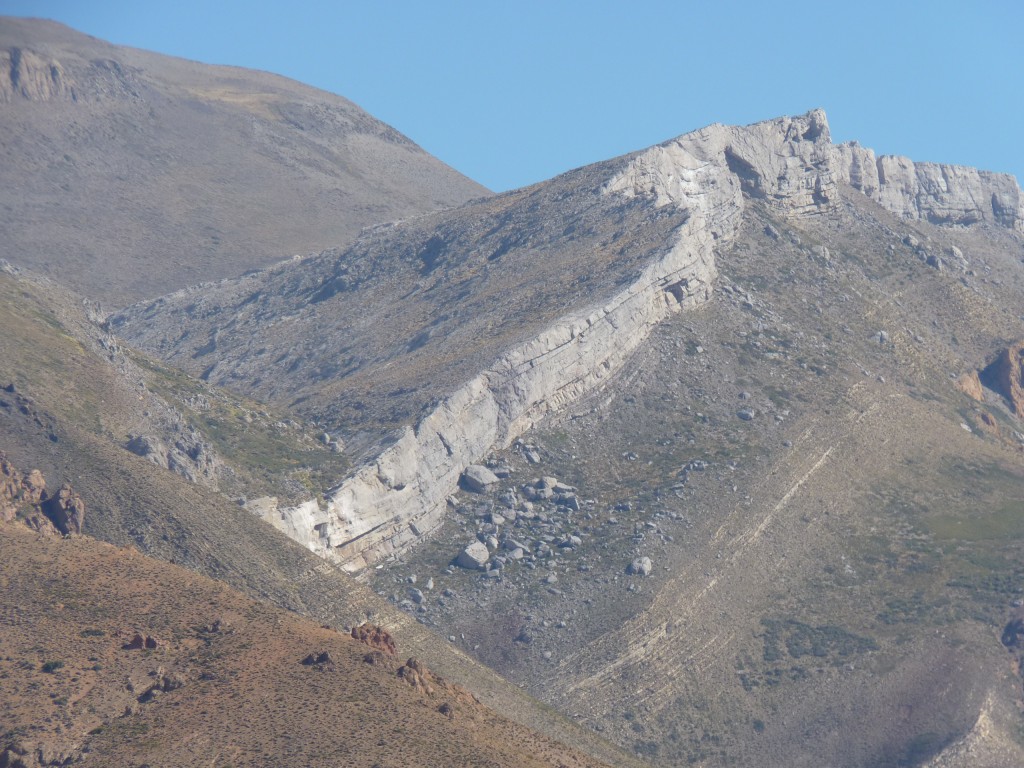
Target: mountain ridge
138	173
790	163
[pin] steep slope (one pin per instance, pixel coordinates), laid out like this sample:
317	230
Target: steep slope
65	403
832	526
771	530
127	174
111	658
454	333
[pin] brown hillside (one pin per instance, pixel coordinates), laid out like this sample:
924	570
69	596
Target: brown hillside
225	683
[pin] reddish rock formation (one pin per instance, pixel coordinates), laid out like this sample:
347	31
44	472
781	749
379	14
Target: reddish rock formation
18	491
970	385
1005	376
66	510
25	496
140	641
21	496
416	674
375	637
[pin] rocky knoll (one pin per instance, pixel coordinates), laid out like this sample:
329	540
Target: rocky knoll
24	497
530	300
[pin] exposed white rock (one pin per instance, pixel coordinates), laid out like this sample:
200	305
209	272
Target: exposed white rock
941	194
474	556
786	162
478	478
789	163
303	523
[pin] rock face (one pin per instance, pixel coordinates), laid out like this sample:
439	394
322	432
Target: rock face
940	194
970	385
28	75
24	496
673	205
189	455
66	510
1005	375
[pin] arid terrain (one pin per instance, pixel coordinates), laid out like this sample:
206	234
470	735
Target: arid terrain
114	658
711	454
126	174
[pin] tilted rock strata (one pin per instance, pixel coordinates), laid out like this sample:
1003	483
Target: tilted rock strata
632	239
389	502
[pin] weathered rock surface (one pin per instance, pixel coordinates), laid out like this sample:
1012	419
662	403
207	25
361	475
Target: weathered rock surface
376	637
66	510
1005	375
28	75
675	203
189	455
474	556
940	194
23	496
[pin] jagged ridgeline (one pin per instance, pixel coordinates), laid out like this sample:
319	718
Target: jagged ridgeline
430	343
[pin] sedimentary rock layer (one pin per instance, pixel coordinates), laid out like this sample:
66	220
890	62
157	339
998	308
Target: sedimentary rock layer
387	503
940	194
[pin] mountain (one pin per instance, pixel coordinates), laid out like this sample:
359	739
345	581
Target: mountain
126	174
714	445
74	402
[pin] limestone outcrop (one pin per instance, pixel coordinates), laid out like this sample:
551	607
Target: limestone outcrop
401	494
940	194
510	309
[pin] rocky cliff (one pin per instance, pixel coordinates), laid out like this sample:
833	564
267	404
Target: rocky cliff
400	495
28	75
940	194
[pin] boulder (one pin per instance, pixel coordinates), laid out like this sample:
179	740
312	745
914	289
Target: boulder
321	659
640	567
474	557
478	478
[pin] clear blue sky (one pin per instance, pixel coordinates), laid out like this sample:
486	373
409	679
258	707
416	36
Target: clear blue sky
515	92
